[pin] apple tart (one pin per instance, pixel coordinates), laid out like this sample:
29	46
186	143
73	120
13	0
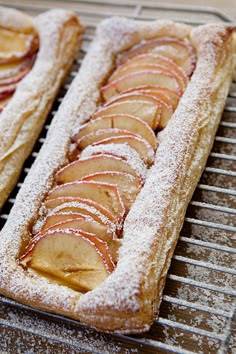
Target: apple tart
35	56
106	197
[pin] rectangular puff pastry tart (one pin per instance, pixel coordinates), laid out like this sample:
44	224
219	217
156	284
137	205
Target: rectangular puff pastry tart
35	56
105	200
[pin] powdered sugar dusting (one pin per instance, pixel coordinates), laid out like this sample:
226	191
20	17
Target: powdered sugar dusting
120	150
22	119
128	298
152	221
90	209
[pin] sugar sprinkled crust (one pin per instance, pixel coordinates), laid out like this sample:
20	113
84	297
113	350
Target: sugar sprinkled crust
22	119
129	298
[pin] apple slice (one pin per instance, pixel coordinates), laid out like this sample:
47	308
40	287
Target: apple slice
140	145
101	134
6	91
57	218
104	194
180	52
68	211
142	77
16	45
171	98
123	151
86	206
166	111
13	75
148	111
78	259
14	79
87	224
152	67
147	59
78	169
9	70
128	185
3	103
121	121
80	222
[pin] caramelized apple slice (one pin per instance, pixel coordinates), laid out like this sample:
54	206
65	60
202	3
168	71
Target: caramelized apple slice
78	169
86	206
148	111
101	134
143	77
104	194
128	185
149	59
179	51
121	121
78	259
16	45
87	224
140	145
166	111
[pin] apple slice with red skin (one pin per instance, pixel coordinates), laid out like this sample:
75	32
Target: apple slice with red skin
80	222
152	67
166	110
16	45
7	91
140	145
121	121
78	169
139	78
3	103
148	111
77	258
75	210
86	206
123	151
128	185
13	76
147	59
104	194
171	98
56	218
9	70
177	50
102	134
87	224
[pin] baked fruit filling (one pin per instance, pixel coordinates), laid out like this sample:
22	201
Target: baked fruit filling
80	232
17	55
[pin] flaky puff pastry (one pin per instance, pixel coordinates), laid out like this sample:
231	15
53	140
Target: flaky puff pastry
128	300
21	121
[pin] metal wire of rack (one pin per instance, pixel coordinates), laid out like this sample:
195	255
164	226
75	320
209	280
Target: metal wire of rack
198	309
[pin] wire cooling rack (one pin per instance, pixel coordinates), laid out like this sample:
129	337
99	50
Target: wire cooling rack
197	313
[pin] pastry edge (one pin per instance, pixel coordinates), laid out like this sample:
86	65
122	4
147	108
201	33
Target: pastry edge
54	59
135	310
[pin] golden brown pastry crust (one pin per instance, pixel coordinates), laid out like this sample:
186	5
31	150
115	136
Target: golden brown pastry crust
128	300
22	119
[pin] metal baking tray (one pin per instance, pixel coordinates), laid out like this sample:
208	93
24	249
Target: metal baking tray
198	309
